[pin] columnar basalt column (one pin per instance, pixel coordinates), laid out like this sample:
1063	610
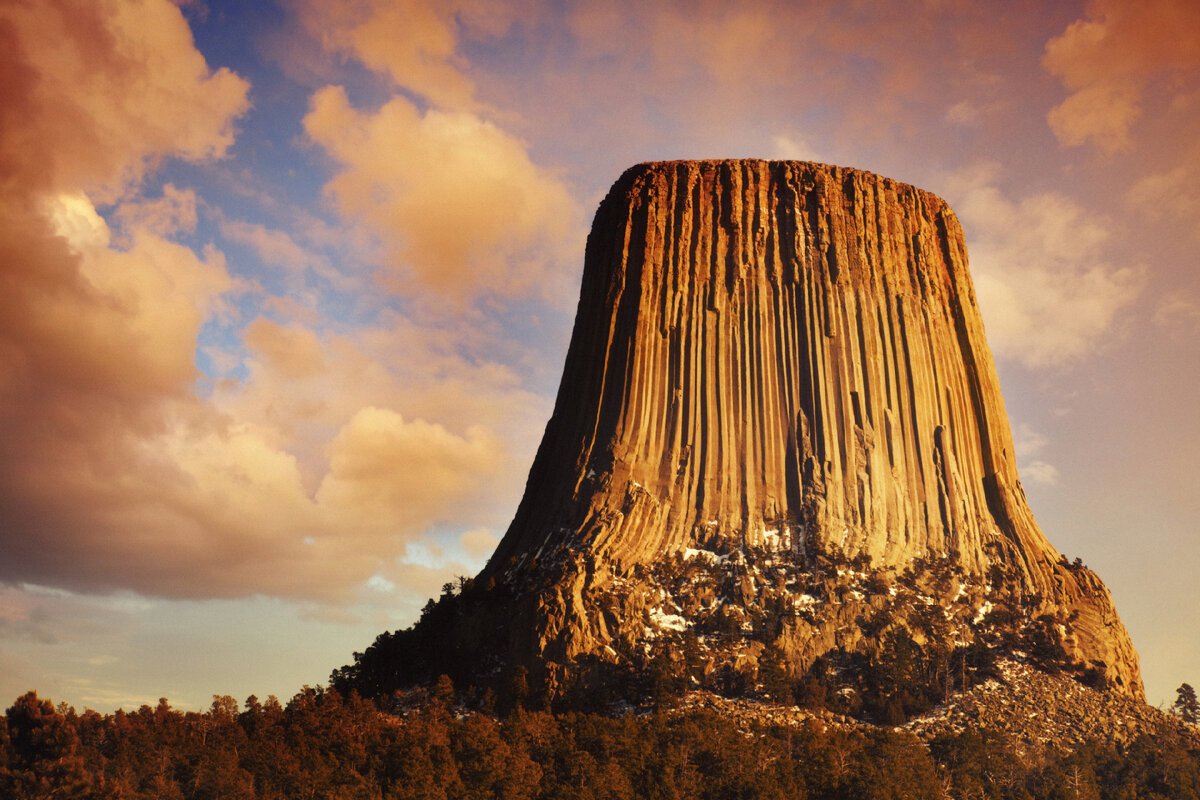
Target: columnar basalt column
787	356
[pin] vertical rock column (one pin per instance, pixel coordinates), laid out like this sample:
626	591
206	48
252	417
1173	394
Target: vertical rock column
787	355
783	355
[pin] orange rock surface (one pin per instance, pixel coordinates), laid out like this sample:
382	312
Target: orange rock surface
787	356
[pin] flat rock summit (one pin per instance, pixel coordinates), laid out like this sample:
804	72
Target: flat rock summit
779	431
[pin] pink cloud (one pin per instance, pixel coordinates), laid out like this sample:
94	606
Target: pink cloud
1107	59
96	92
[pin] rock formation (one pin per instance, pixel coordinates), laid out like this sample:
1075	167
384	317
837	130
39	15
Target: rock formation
784	358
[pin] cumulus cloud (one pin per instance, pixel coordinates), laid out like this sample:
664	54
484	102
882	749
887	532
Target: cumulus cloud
456	201
308	384
453	198
1040	472
122	467
375	457
414	42
96	92
1046	292
94	341
1106	61
479	542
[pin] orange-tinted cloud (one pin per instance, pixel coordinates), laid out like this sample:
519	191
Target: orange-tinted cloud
416	43
116	472
725	71
1107	59
413	41
96	91
374	462
456	201
1047	295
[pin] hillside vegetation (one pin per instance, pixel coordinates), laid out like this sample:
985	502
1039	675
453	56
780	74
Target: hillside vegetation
425	744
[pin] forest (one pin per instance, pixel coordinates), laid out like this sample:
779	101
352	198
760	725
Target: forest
424	743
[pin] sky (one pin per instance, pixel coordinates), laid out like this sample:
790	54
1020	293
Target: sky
286	289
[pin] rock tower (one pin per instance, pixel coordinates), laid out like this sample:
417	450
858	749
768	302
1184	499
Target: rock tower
784	357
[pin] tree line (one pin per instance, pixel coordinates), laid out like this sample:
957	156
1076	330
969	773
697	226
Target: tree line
424	744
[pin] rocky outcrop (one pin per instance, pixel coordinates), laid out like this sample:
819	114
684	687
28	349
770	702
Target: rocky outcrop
1045	714
786	357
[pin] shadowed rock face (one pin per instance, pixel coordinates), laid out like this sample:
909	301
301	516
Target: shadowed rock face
785	356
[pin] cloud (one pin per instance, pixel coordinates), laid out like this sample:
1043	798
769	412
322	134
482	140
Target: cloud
1040	472
305	384
1027	443
377	456
123	467
456	201
96	92
788	148
479	543
173	213
1046	293
1172	195
94	343
277	249
85	322
1178	314
1102	112
1107	60
274	247
871	70
413	42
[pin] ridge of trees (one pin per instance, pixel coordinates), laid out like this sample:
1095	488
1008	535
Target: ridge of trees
422	744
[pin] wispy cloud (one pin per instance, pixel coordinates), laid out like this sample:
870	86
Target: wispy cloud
1047	292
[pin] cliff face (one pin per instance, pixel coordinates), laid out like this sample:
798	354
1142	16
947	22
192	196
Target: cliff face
786	357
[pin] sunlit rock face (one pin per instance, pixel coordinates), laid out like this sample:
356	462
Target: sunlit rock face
783	356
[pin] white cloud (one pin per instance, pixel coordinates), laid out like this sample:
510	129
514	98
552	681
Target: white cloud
1028	443
1040	472
792	149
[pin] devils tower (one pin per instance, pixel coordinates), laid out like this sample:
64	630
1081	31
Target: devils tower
778	369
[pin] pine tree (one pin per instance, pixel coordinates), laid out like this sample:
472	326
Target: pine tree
1186	705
